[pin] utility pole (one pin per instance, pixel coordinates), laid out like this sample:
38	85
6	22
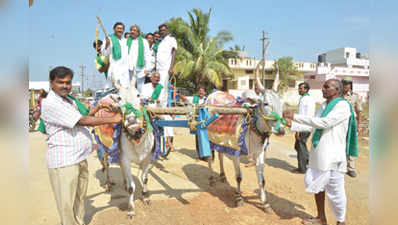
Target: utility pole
82	67
95	84
264	47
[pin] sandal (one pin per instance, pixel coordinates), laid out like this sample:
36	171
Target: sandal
312	221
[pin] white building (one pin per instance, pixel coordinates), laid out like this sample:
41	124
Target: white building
243	73
340	63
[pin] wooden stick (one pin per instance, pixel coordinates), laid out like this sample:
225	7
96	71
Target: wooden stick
102	26
184	110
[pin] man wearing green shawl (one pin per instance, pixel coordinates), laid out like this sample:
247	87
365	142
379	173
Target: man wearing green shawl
69	145
116	48
139	56
332	140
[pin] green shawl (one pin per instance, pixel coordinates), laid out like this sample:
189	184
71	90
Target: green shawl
80	106
102	63
352	141
156	45
140	60
156	92
116	48
195	99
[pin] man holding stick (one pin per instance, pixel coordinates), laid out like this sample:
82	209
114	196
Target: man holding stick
117	50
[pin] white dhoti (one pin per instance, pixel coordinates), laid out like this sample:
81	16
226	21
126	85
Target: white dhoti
332	182
121	79
164	80
168	131
140	79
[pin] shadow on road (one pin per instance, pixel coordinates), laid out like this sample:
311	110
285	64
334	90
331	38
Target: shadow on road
199	175
118	195
280	164
282	207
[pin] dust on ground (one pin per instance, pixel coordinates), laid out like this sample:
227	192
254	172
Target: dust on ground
180	193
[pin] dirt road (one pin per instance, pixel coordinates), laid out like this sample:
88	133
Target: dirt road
180	192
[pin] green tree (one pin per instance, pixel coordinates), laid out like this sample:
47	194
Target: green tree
88	93
287	73
200	58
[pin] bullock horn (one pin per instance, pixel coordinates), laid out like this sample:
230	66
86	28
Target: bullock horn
134	78
258	82
276	81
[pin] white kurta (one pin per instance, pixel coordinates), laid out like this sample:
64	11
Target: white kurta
147	91
306	106
163	62
133	57
330	153
327	162
152	59
118	70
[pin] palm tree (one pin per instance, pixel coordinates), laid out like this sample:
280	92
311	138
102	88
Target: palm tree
200	58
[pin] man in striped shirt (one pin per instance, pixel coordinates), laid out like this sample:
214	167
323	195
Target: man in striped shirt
69	145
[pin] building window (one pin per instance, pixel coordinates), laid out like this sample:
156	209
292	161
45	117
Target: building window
251	84
249	71
243	83
347	55
292	83
234	84
312	77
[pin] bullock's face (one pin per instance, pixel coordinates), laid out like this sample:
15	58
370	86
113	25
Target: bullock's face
270	104
131	120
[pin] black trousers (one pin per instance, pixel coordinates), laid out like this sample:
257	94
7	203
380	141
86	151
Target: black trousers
302	150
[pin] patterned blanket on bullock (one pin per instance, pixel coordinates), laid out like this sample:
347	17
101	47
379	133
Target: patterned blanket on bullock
107	136
227	133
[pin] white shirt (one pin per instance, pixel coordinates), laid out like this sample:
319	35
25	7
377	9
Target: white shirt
164	56
306	106
133	56
152	59
120	67
68	142
330	153
146	93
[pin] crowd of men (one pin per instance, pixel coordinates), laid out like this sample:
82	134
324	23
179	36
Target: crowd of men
150	60
123	56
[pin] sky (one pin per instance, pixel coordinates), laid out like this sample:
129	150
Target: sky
62	32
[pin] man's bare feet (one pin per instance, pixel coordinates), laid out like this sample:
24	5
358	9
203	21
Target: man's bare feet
250	164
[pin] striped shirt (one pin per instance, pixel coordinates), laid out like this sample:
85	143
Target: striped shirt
68	142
